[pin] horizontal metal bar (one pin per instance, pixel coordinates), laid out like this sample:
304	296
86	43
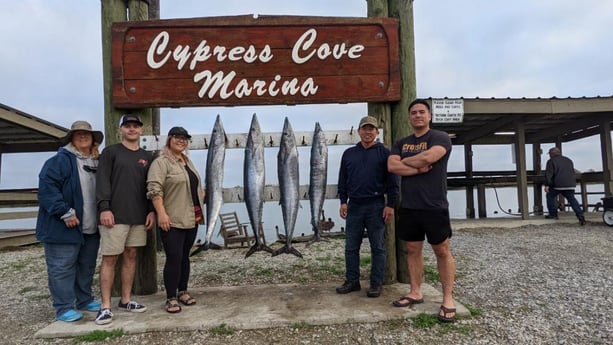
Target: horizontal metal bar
238	140
272	193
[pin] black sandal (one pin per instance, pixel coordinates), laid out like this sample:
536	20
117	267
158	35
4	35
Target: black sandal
406	301
171	305
443	312
188	300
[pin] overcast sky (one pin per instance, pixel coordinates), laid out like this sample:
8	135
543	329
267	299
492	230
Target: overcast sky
51	65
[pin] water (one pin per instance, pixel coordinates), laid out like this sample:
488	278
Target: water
26	223
500	202
272	217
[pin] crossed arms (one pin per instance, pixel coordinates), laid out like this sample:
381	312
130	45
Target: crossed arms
418	164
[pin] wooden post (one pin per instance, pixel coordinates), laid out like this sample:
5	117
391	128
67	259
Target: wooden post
584	201
145	280
537	187
154	13
383	111
403	11
561	202
520	163
481	205
468	167
607	156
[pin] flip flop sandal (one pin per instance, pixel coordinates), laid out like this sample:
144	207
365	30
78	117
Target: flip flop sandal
188	300
171	306
405	301
442	314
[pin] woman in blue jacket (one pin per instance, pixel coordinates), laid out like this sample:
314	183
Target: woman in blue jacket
67	221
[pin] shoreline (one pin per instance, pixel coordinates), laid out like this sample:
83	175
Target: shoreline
534	284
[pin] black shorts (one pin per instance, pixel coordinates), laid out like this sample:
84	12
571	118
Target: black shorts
416	225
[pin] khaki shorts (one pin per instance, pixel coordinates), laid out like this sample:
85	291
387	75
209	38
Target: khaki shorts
114	240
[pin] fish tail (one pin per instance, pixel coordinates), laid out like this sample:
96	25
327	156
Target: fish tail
257	248
200	248
251	250
214	246
287	250
295	251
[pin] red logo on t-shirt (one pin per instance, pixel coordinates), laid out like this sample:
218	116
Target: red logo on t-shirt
142	162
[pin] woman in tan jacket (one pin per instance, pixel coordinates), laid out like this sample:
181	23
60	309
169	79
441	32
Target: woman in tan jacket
175	189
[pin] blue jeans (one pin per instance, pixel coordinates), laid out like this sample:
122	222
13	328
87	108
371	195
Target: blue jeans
569	194
369	216
70	271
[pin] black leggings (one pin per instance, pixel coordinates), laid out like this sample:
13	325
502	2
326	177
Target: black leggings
177	244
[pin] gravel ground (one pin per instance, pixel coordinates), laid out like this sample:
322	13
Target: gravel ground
547	284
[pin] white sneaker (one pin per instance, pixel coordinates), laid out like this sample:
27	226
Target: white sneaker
104	316
132	306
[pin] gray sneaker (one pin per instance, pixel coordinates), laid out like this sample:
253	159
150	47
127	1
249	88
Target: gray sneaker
132	306
104	316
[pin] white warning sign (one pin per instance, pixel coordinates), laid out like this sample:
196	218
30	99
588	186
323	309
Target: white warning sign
447	110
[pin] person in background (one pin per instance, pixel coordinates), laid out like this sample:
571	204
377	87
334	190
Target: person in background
421	160
560	179
175	188
67	221
125	213
363	183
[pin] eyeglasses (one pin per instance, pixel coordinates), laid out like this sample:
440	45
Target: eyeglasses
180	138
90	169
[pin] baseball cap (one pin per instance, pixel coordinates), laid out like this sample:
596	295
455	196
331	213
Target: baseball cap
130	118
369	120
179	131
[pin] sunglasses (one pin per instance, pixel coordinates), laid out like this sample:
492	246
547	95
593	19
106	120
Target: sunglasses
90	169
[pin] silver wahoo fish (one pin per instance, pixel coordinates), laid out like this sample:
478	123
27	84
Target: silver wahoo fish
214	183
287	170
318	179
253	183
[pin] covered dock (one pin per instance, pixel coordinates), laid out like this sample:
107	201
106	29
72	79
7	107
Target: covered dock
521	122
21	132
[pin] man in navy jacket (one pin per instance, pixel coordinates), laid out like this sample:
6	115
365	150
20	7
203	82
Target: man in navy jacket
363	183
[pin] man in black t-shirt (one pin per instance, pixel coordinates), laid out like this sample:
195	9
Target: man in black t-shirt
421	160
125	213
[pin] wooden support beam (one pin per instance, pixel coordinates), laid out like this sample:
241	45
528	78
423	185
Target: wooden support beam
483	130
399	127
468	167
555	131
17	238
481	203
607	156
145	280
538	187
12	117
520	161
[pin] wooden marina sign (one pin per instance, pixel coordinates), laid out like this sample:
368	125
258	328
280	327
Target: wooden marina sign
243	60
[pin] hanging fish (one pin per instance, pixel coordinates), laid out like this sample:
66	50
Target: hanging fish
318	179
253	182
287	170
214	183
